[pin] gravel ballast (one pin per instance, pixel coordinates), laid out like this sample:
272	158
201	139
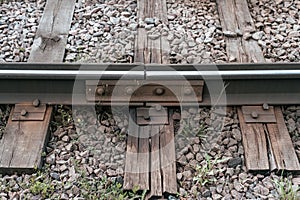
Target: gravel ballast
195	33
278	26
85	156
211	166
18	25
102	32
87	151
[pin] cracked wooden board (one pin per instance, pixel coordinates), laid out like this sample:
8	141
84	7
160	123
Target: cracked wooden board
52	34
150	158
154	50
168	156
235	18
282	147
151	50
23	143
131	176
255	145
267	145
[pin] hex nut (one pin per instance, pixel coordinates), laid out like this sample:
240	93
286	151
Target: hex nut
36	103
23	112
100	90
254	115
129	90
159	91
187	91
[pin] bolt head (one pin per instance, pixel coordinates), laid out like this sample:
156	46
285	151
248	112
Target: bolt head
159	91
266	106
36	103
23	112
158	107
187	91
100	91
147	117
129	90
254	115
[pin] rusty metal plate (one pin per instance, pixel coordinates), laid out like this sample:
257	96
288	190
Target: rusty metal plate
28	112
153	116
256	114
141	91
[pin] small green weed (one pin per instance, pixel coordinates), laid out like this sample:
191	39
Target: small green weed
286	189
41	188
104	188
190	129
63	116
205	173
40	184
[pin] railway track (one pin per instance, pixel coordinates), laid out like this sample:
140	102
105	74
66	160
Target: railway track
243	84
153	89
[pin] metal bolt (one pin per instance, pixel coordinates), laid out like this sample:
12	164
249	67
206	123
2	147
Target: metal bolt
36	103
266	106
147	117
187	91
254	115
158	107
159	91
23	112
100	90
129	90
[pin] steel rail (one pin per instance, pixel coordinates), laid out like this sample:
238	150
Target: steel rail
239	84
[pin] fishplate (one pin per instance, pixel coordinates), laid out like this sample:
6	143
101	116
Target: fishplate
137	92
259	114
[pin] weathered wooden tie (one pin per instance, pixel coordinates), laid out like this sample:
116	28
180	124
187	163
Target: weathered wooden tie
155	154
51	37
150	156
237	23
26	132
266	140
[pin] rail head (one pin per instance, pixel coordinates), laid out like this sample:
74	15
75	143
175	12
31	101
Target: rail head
149	71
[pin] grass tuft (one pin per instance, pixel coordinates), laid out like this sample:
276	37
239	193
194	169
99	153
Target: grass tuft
286	189
206	171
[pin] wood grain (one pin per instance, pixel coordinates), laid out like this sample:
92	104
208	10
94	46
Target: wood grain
143	158
236	18
131	176
155	172
282	146
255	144
151	50
23	143
154	50
51	37
168	157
